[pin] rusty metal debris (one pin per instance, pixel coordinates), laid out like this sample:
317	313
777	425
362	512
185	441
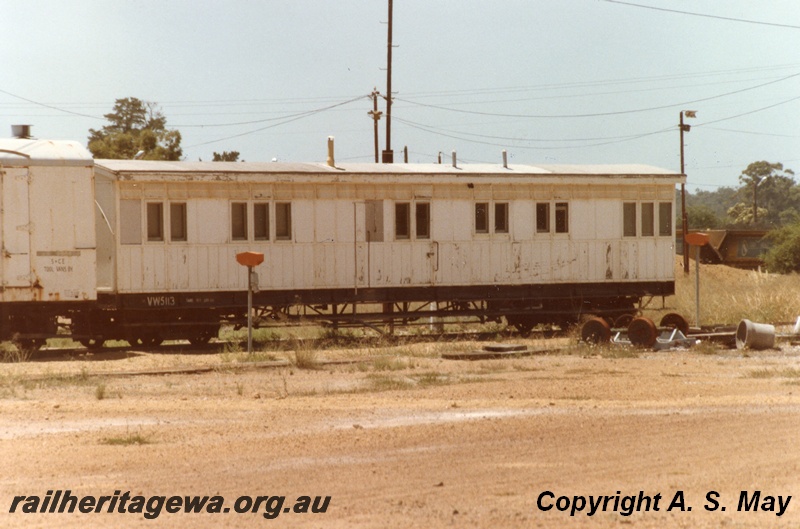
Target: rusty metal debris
673	332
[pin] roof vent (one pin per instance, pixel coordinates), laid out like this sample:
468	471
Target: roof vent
21	131
331	161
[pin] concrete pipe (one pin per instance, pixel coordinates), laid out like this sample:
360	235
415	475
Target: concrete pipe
755	335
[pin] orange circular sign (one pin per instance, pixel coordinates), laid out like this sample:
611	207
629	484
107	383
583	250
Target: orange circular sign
250	258
697	239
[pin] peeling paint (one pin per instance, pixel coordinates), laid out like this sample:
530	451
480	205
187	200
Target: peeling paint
516	258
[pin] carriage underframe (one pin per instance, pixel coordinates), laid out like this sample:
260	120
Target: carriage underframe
149	319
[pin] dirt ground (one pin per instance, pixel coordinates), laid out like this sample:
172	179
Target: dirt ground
400	437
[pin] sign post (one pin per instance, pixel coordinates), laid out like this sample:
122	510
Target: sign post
697	240
250	260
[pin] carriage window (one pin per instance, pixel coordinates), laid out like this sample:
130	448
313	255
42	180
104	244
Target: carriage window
283	221
665	219
481	217
562	217
423	220
177	221
402	220
648	219
261	222
501	217
543	217
239	221
155	221
629	219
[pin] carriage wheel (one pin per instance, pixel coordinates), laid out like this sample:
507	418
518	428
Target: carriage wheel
642	332
623	321
596	331
673	320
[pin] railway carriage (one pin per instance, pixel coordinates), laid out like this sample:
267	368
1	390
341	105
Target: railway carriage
47	267
367	244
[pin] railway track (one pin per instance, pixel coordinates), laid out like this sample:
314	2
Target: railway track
218	346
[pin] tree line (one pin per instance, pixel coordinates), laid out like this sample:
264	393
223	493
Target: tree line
767	198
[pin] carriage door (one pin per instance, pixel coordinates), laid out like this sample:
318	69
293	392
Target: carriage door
373	221
433	256
16	228
359	245
368	230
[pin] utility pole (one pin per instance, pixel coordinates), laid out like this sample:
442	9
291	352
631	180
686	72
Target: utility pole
376	115
755	199
755	204
684	218
388	155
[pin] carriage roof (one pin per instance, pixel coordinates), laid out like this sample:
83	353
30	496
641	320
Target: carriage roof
15	152
20	152
313	172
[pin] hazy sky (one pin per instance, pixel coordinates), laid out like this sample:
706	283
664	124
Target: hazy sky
550	81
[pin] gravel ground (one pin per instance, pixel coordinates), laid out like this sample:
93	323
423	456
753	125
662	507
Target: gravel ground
399	437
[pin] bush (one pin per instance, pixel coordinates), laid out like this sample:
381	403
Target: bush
784	256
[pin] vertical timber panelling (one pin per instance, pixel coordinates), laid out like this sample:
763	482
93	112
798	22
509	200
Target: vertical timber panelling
540	259
324	253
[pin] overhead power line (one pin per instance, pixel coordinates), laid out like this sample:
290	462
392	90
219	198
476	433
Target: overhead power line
599	141
598	114
484	141
748	112
754	133
608	82
704	15
294	117
51	106
290	117
431	128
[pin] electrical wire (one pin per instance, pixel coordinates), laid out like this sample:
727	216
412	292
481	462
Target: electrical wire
51	106
753	133
602	141
607	82
461	137
748	113
598	114
290	117
718	17
518	139
296	117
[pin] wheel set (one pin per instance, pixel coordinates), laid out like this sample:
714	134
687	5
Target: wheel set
641	331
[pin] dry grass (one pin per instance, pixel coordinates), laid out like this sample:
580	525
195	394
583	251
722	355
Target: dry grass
130	438
788	372
382	382
729	295
9	353
306	356
390	363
